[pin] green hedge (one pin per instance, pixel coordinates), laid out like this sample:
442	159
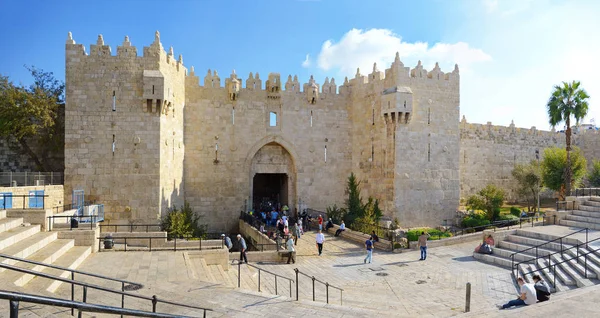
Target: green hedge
413	235
474	220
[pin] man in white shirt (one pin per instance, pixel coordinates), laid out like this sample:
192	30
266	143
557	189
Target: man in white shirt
320	240
341	229
527	297
291	250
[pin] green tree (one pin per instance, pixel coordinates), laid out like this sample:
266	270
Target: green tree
369	220
488	199
29	115
554	167
183	222
568	99
594	176
354	204
529	179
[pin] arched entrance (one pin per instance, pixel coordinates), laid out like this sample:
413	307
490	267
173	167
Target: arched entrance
272	178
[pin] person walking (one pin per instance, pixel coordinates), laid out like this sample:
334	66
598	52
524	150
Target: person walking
291	250
297	232
243	248
320	240
369	247
423	245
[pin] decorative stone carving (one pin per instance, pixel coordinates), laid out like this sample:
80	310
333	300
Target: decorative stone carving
233	86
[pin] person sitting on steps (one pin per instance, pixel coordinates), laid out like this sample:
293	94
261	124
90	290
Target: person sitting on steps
341	229
542	290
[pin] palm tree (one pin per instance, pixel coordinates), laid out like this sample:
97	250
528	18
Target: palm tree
567	100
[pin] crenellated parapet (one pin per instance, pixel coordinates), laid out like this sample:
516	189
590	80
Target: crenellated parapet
506	134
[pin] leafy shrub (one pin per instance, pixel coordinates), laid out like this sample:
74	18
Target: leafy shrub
515	211
336	214
413	235
509	217
475	219
182	223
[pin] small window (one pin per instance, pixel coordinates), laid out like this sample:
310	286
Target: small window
149	105
233	116
311	118
325	153
114	102
152	89
113	145
273	119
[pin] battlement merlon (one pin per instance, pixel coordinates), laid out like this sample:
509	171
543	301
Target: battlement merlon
154	52
396	75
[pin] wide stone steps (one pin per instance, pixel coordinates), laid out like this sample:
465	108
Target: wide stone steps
584	219
71	259
9	223
28	246
531	242
17	234
591	214
593	226
589	208
48	255
546	237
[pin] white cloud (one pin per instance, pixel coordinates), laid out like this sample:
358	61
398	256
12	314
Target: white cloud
359	48
306	62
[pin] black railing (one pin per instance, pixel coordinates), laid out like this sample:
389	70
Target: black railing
565	206
15	299
561	252
536	247
553	266
23	196
130	227
586	192
124	283
123	240
91	219
154	300
289	280
72	206
326	284
267	247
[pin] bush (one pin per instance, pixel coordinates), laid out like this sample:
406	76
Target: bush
182	223
413	235
336	214
515	211
509	217
474	220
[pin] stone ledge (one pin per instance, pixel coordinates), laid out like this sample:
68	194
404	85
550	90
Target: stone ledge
360	237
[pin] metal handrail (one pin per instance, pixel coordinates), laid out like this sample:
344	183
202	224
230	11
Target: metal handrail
15	298
590	192
561	252
130	226
327	285
239	264
150	238
153	299
563	261
93	220
512	256
137	285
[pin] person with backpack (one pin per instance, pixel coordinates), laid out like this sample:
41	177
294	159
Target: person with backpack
542	290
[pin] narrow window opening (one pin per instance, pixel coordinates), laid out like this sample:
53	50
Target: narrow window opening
152	89
114	102
233	116
372	151
311	118
404	104
388	104
113	145
428	115
158	105
373	117
325	153
273	119
149	105
429	152
406	116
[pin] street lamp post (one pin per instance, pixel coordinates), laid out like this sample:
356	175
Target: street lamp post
537	156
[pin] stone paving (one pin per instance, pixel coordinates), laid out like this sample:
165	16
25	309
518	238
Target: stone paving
435	287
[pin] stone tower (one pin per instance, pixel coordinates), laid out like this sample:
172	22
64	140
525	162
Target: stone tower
124	128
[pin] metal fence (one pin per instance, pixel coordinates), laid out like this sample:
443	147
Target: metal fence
24	179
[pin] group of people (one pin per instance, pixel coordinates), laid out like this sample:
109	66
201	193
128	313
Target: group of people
529	293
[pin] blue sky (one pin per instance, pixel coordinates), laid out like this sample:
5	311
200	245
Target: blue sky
510	52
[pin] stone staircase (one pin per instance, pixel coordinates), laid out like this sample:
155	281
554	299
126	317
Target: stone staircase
569	274
27	241
587	214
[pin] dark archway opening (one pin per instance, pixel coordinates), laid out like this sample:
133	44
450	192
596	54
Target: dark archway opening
270	191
